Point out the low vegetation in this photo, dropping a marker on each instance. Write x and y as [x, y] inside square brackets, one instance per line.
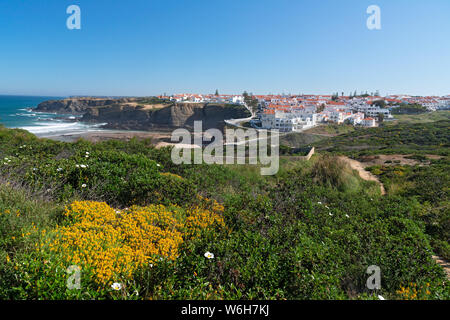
[409, 109]
[429, 185]
[420, 118]
[140, 227]
[403, 138]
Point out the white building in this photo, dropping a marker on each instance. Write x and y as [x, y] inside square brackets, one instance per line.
[368, 122]
[338, 116]
[356, 118]
[237, 100]
[287, 121]
[373, 111]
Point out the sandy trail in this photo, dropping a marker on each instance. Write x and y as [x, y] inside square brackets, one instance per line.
[365, 175]
[444, 264]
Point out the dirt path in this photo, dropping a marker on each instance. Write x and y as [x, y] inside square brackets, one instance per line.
[365, 175]
[444, 264]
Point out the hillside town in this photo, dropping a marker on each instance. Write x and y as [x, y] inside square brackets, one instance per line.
[294, 113]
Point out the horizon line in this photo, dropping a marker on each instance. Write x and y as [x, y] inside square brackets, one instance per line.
[172, 94]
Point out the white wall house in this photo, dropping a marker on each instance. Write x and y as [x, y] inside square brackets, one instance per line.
[356, 118]
[238, 99]
[368, 122]
[336, 117]
[287, 121]
[373, 111]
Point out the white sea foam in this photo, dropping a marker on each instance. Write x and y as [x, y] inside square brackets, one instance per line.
[47, 124]
[59, 128]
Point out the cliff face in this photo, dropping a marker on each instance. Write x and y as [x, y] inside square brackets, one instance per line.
[172, 116]
[135, 114]
[76, 105]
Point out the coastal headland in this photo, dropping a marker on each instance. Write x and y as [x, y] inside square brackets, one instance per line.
[144, 114]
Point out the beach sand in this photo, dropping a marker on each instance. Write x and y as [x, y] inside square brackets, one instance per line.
[97, 136]
[159, 139]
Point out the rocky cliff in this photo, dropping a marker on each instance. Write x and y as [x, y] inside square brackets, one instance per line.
[76, 105]
[170, 116]
[145, 113]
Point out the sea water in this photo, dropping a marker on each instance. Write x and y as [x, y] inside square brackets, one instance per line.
[16, 112]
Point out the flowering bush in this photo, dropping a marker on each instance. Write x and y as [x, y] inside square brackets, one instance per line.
[113, 244]
[413, 292]
[310, 232]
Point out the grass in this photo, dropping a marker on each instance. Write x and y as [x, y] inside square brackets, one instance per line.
[420, 118]
[299, 139]
[331, 129]
[308, 232]
[404, 138]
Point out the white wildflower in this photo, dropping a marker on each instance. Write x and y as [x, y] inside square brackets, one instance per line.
[116, 286]
[380, 297]
[209, 255]
[84, 185]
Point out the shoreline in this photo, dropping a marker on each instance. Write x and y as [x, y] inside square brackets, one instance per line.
[110, 134]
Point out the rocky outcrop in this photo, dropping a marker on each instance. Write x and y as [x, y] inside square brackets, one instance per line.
[172, 116]
[76, 105]
[135, 114]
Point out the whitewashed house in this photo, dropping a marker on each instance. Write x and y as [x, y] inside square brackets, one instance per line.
[368, 122]
[287, 121]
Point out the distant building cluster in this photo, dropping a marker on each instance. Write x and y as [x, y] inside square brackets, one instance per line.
[432, 103]
[300, 112]
[206, 98]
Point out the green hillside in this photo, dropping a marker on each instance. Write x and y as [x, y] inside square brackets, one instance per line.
[125, 214]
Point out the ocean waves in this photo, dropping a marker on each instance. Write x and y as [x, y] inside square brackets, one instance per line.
[52, 128]
[17, 112]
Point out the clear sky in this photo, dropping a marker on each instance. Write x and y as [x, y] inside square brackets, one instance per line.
[149, 47]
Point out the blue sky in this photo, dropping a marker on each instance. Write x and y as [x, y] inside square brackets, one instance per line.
[148, 47]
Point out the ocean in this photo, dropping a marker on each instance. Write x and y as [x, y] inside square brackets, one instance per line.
[15, 112]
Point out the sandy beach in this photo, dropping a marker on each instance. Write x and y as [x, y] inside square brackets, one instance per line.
[97, 136]
[159, 139]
